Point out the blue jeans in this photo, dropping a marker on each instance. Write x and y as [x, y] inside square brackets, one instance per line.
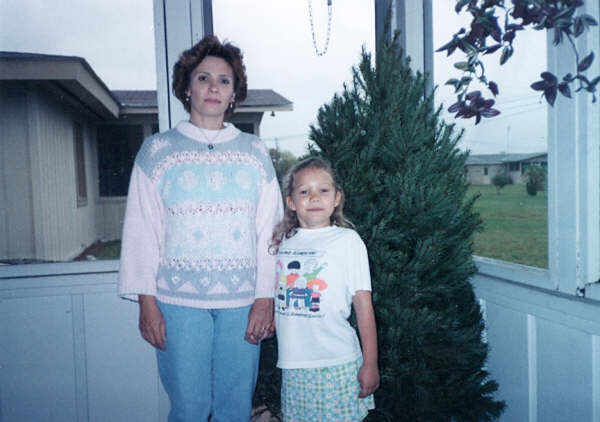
[208, 368]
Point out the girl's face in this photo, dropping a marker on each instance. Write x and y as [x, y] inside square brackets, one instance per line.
[210, 90]
[314, 198]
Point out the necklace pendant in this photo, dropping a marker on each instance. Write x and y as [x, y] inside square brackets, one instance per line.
[210, 146]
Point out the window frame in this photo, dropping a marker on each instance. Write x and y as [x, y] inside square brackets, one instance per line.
[573, 173]
[573, 186]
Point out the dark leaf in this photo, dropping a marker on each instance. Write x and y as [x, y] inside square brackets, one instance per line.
[514, 27]
[454, 107]
[506, 53]
[473, 95]
[550, 94]
[538, 86]
[564, 89]
[488, 103]
[452, 81]
[451, 49]
[549, 78]
[509, 36]
[568, 78]
[445, 46]
[585, 62]
[491, 49]
[477, 118]
[595, 81]
[588, 20]
[460, 4]
[492, 112]
[557, 36]
[496, 35]
[462, 66]
[493, 87]
[578, 27]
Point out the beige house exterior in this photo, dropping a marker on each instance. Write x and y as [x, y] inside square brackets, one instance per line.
[481, 169]
[67, 145]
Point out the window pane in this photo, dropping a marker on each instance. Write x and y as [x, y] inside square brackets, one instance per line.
[77, 98]
[117, 147]
[110, 44]
[508, 147]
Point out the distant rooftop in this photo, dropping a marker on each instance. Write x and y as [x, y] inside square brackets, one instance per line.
[483, 159]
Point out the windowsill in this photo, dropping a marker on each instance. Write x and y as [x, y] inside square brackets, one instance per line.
[58, 268]
[518, 273]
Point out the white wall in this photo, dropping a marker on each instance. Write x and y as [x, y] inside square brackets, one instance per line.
[40, 216]
[62, 229]
[544, 346]
[16, 210]
[70, 348]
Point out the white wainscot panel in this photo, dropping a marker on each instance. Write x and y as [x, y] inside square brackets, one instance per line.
[507, 338]
[564, 373]
[122, 379]
[37, 372]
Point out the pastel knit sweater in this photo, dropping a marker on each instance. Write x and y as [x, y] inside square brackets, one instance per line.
[199, 219]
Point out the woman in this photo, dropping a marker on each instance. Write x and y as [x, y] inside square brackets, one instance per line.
[202, 204]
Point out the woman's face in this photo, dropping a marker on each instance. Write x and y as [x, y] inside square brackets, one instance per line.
[210, 89]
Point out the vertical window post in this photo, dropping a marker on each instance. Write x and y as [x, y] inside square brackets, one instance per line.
[177, 26]
[573, 172]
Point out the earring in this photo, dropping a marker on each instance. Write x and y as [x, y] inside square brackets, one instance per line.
[187, 98]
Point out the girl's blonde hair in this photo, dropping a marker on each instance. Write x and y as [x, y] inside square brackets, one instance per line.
[289, 225]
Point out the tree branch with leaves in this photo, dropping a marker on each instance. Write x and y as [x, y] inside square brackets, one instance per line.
[490, 33]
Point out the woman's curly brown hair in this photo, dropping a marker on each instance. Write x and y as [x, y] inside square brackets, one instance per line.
[210, 46]
[289, 224]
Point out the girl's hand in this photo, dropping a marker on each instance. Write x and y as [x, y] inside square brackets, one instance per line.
[260, 321]
[368, 378]
[152, 323]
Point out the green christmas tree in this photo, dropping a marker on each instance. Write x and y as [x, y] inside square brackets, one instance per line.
[405, 187]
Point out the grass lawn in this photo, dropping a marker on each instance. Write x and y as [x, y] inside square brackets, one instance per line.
[515, 225]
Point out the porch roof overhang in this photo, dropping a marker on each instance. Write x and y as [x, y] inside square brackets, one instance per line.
[68, 75]
[257, 101]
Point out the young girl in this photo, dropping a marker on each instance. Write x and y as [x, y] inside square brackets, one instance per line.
[322, 269]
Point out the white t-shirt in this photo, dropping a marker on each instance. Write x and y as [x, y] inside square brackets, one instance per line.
[318, 273]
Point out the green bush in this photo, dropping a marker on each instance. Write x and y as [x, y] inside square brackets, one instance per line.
[535, 180]
[500, 180]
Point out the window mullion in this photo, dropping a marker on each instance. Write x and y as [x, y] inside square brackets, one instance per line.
[573, 174]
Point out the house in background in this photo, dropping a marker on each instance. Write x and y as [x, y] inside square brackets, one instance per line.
[67, 145]
[482, 168]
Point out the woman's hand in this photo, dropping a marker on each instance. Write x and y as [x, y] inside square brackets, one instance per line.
[368, 378]
[152, 323]
[260, 321]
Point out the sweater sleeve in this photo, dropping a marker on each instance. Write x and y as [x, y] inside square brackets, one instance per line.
[143, 232]
[268, 213]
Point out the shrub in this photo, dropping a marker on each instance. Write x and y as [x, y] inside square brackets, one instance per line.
[535, 179]
[500, 180]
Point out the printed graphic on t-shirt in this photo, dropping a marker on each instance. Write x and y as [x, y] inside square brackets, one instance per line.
[299, 288]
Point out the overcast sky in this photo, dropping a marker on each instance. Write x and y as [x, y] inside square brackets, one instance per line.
[116, 37]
